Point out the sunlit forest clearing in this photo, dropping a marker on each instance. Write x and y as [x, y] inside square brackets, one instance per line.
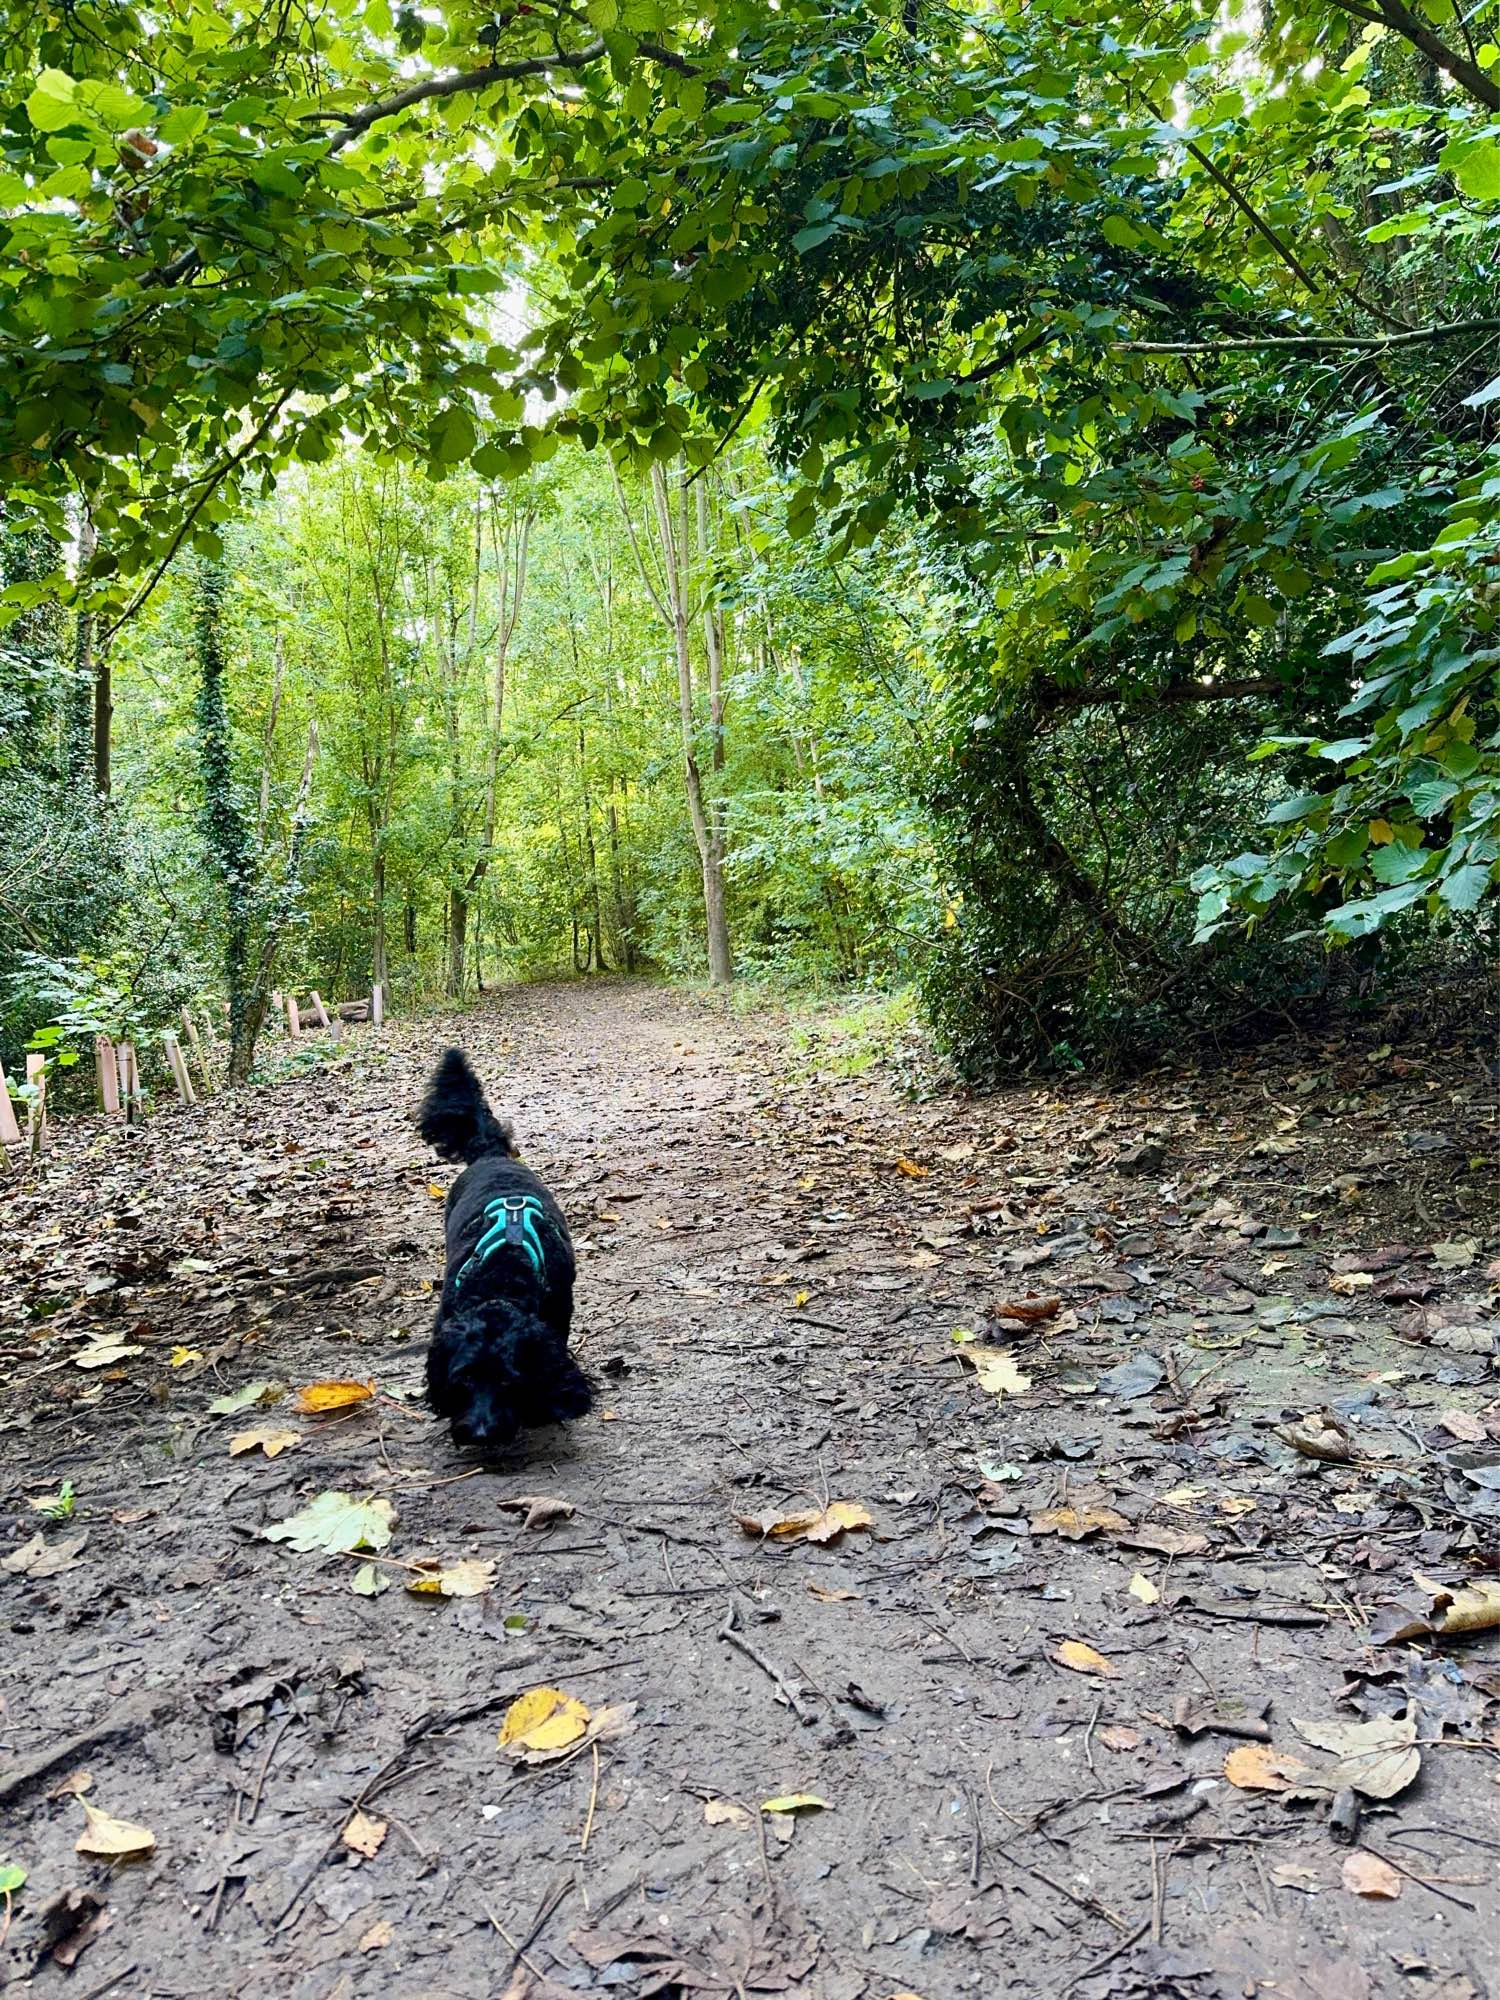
[889, 613]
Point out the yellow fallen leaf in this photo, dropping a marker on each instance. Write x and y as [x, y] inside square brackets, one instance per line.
[997, 1374]
[378, 1936]
[317, 1398]
[1075, 1523]
[266, 1438]
[1082, 1659]
[364, 1834]
[1235, 1504]
[1261, 1767]
[801, 1300]
[1143, 1588]
[437, 1190]
[1347, 1283]
[543, 1718]
[1184, 1496]
[817, 1524]
[473, 1577]
[182, 1357]
[912, 1170]
[796, 1802]
[112, 1839]
[1365, 1874]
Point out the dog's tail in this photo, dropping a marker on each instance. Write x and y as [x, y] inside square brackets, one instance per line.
[455, 1119]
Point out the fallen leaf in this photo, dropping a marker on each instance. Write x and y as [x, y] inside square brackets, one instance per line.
[183, 1357]
[336, 1524]
[1143, 1588]
[35, 1558]
[1260, 1767]
[1440, 1613]
[826, 1596]
[997, 1374]
[264, 1437]
[796, 1802]
[72, 1786]
[724, 1812]
[1135, 1377]
[1365, 1874]
[100, 1353]
[1456, 1255]
[1236, 1504]
[1459, 1424]
[1184, 1496]
[543, 1719]
[1347, 1283]
[912, 1170]
[473, 1577]
[1082, 1659]
[1319, 1436]
[246, 1398]
[364, 1835]
[13, 1877]
[1027, 1309]
[378, 1936]
[1165, 1540]
[317, 1399]
[369, 1581]
[113, 1839]
[540, 1509]
[822, 1524]
[1378, 1758]
[1117, 1736]
[1074, 1524]
[437, 1190]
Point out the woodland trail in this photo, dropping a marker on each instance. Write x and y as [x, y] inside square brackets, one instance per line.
[1077, 1701]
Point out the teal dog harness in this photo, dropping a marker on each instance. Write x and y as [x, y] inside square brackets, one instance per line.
[512, 1218]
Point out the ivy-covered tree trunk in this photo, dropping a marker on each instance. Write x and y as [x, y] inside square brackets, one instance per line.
[226, 835]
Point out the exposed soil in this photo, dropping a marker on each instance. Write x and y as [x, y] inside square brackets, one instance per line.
[1086, 1588]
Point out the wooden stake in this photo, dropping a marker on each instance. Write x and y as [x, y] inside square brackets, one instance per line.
[132, 1081]
[179, 1067]
[107, 1066]
[377, 1005]
[10, 1131]
[208, 1027]
[293, 1018]
[319, 1009]
[36, 1110]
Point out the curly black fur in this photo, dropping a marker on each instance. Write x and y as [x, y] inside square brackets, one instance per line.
[499, 1360]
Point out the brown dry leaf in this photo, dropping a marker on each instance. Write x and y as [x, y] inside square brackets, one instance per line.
[1378, 1758]
[997, 1374]
[1027, 1309]
[72, 1786]
[826, 1596]
[364, 1834]
[1365, 1874]
[1319, 1436]
[912, 1170]
[1118, 1736]
[317, 1399]
[1074, 1524]
[1082, 1659]
[110, 1838]
[378, 1936]
[1440, 1612]
[266, 1438]
[1260, 1767]
[1165, 1541]
[1236, 1504]
[36, 1559]
[539, 1509]
[473, 1577]
[724, 1812]
[1459, 1424]
[821, 1524]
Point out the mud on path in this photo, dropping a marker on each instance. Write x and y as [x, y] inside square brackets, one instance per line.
[1097, 1573]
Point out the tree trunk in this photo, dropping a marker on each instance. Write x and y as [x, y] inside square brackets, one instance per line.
[458, 932]
[226, 835]
[675, 547]
[379, 970]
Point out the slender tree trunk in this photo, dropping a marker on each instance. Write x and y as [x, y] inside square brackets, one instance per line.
[675, 561]
[226, 835]
[379, 969]
[258, 994]
[458, 932]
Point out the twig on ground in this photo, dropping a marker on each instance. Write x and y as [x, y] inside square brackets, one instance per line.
[789, 1690]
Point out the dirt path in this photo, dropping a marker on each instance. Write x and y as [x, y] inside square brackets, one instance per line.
[991, 1688]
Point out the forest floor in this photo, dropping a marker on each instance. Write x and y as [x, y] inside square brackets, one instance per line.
[1109, 1699]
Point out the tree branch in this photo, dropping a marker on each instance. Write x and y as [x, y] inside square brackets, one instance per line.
[460, 81]
[1315, 342]
[1411, 27]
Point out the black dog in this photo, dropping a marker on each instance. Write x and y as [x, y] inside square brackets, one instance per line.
[499, 1359]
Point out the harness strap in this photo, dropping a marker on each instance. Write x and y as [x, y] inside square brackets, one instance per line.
[512, 1219]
